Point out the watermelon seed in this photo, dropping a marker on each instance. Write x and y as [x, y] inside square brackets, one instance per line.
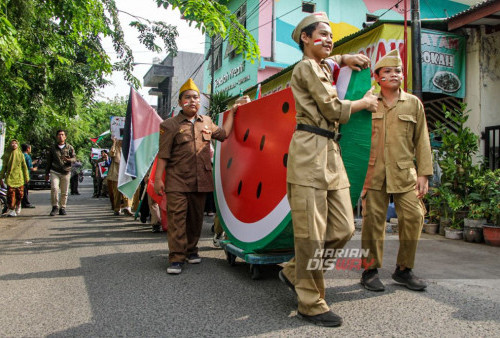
[259, 189]
[239, 188]
[229, 162]
[262, 141]
[285, 107]
[246, 135]
[285, 159]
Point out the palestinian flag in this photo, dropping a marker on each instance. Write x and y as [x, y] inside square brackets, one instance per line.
[160, 200]
[140, 143]
[100, 137]
[356, 139]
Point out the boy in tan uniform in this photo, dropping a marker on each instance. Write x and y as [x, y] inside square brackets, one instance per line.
[184, 154]
[318, 187]
[399, 136]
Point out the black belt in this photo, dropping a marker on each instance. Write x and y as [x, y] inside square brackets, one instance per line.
[319, 131]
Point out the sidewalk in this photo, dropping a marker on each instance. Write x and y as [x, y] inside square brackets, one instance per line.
[92, 274]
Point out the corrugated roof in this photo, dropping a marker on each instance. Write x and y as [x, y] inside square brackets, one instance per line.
[473, 8]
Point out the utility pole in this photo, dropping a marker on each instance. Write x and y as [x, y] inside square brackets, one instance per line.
[212, 68]
[416, 48]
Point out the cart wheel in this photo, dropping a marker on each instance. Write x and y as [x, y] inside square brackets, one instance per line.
[231, 259]
[255, 271]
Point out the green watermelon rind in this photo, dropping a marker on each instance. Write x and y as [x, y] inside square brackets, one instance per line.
[264, 243]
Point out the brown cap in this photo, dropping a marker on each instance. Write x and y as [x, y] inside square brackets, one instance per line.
[308, 20]
[391, 59]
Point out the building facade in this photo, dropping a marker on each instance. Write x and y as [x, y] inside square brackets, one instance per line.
[271, 23]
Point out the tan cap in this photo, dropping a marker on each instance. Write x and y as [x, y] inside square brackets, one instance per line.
[308, 20]
[391, 59]
[189, 85]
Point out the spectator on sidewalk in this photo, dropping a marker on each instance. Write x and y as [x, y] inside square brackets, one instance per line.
[60, 157]
[16, 175]
[26, 149]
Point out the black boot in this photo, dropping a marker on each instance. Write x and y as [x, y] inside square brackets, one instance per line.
[371, 281]
[408, 279]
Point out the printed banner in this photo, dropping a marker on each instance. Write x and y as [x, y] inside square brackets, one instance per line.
[103, 170]
[443, 63]
[117, 125]
[96, 153]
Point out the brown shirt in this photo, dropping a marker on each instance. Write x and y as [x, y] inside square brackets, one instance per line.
[114, 169]
[399, 135]
[314, 160]
[186, 148]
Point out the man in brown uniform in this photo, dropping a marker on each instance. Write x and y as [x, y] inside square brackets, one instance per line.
[185, 155]
[399, 135]
[318, 187]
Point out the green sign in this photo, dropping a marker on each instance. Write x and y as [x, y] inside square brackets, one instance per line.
[443, 63]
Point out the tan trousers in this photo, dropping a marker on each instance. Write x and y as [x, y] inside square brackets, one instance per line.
[185, 219]
[322, 219]
[410, 211]
[154, 210]
[116, 197]
[59, 183]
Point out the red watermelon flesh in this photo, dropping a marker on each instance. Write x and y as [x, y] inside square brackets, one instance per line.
[253, 158]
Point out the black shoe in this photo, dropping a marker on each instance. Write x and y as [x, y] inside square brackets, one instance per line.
[76, 193]
[116, 213]
[156, 228]
[194, 259]
[287, 282]
[54, 211]
[371, 281]
[409, 280]
[328, 319]
[175, 268]
[29, 206]
[95, 196]
[62, 211]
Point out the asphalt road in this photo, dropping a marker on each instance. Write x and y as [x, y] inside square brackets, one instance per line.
[92, 274]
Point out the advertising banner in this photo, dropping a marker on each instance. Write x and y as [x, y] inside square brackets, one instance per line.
[443, 63]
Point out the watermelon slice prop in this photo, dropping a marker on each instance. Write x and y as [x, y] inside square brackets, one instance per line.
[250, 168]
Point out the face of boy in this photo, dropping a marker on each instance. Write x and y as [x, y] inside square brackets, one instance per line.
[190, 102]
[389, 77]
[319, 45]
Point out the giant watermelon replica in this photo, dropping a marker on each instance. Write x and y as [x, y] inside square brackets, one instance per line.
[250, 168]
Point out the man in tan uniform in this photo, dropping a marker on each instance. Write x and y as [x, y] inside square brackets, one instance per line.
[318, 187]
[115, 196]
[185, 155]
[399, 135]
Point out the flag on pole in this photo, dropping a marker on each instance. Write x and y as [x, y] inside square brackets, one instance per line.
[258, 93]
[140, 143]
[100, 137]
[160, 200]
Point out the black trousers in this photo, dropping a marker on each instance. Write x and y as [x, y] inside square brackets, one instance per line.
[25, 201]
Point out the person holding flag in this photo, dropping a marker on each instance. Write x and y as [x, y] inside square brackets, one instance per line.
[317, 183]
[184, 155]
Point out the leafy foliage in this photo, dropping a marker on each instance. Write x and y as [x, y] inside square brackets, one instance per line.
[218, 104]
[52, 60]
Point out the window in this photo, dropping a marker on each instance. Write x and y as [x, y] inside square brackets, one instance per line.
[241, 15]
[308, 7]
[217, 53]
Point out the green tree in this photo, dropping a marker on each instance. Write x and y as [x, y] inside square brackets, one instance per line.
[52, 61]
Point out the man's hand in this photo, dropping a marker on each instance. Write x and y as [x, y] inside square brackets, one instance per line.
[371, 100]
[239, 102]
[356, 61]
[422, 186]
[159, 187]
[47, 177]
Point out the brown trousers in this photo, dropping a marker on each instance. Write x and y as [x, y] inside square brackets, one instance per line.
[14, 196]
[410, 211]
[116, 197]
[322, 219]
[185, 219]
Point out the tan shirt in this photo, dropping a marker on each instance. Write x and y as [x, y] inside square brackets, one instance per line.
[315, 160]
[399, 135]
[114, 168]
[186, 148]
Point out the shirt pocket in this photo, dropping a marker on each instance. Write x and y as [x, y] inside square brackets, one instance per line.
[407, 172]
[299, 217]
[183, 136]
[407, 124]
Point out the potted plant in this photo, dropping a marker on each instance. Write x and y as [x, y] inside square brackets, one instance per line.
[458, 145]
[491, 231]
[432, 224]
